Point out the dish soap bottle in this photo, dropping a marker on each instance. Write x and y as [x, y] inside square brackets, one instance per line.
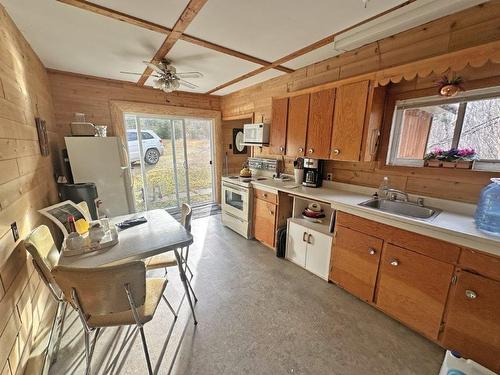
[382, 189]
[487, 217]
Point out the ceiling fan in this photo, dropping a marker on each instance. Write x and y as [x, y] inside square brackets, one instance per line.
[166, 76]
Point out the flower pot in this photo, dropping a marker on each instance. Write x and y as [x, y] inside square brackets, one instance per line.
[464, 164]
[433, 163]
[449, 164]
[449, 90]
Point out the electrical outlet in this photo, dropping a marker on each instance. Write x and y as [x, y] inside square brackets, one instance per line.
[329, 176]
[15, 231]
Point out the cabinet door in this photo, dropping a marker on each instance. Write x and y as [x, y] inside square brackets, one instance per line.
[319, 248]
[349, 121]
[319, 127]
[296, 244]
[413, 288]
[264, 220]
[472, 320]
[277, 134]
[355, 260]
[298, 112]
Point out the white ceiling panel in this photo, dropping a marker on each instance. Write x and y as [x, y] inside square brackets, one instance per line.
[273, 29]
[217, 68]
[312, 57]
[70, 39]
[162, 12]
[264, 76]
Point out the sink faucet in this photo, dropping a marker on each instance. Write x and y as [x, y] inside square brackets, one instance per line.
[393, 194]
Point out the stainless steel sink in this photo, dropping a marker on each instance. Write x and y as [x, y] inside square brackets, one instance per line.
[402, 208]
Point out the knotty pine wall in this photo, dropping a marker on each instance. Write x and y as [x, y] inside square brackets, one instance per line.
[475, 26]
[92, 96]
[26, 185]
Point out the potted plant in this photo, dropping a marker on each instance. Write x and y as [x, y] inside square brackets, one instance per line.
[453, 158]
[450, 86]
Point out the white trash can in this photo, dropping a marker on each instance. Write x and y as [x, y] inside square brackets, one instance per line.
[455, 365]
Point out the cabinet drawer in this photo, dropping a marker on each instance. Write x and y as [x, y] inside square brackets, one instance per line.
[472, 324]
[266, 196]
[355, 259]
[264, 220]
[413, 288]
[428, 246]
[486, 265]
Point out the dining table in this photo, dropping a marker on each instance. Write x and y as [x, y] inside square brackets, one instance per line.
[159, 234]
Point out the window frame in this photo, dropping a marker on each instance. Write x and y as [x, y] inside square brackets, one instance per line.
[462, 99]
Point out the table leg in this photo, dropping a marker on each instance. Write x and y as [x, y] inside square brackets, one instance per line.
[184, 282]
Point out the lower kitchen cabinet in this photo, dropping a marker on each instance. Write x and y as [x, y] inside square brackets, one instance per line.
[413, 288]
[264, 221]
[297, 246]
[309, 249]
[355, 260]
[472, 320]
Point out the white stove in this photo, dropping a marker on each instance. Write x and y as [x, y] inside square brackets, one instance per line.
[243, 181]
[237, 196]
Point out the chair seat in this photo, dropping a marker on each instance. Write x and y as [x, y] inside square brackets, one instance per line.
[154, 291]
[161, 261]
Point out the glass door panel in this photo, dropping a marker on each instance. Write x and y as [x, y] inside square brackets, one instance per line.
[199, 156]
[166, 154]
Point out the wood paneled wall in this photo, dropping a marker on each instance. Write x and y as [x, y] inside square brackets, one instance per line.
[232, 162]
[468, 28]
[92, 96]
[26, 185]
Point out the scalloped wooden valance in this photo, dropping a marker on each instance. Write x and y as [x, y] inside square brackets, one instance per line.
[454, 61]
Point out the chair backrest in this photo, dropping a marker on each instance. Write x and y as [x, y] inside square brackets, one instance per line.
[186, 214]
[101, 290]
[40, 244]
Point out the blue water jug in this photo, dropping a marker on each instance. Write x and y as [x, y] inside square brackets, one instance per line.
[487, 215]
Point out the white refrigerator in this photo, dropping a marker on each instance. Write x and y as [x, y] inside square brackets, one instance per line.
[103, 161]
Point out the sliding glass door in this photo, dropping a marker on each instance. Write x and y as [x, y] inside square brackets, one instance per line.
[171, 161]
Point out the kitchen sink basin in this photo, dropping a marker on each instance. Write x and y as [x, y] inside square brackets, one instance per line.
[402, 208]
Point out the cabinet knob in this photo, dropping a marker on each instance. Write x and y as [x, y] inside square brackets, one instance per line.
[394, 262]
[301, 149]
[470, 294]
[264, 195]
[372, 251]
[282, 148]
[336, 151]
[311, 150]
[304, 237]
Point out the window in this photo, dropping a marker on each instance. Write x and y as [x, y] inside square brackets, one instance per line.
[471, 120]
[132, 136]
[146, 135]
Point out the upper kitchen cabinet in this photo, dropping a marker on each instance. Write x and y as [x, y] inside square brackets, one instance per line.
[278, 126]
[349, 121]
[319, 128]
[298, 114]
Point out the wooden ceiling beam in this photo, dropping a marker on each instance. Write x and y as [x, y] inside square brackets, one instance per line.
[303, 51]
[186, 17]
[139, 22]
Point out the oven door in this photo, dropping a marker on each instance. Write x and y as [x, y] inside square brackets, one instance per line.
[235, 200]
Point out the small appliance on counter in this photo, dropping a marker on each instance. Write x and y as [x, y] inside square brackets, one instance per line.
[256, 134]
[313, 172]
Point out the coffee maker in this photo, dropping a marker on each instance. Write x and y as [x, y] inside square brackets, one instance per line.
[313, 172]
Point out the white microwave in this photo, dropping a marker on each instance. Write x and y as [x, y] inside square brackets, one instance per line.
[257, 134]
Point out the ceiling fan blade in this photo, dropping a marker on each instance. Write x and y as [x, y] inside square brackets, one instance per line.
[136, 74]
[188, 84]
[190, 75]
[153, 67]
